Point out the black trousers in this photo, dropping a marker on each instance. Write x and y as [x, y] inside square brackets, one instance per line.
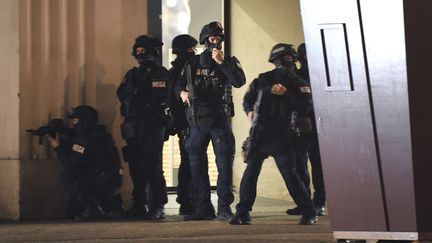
[302, 144]
[307, 149]
[184, 186]
[319, 196]
[145, 167]
[89, 190]
[286, 163]
[224, 148]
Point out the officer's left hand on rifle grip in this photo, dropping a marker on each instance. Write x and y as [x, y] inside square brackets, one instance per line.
[184, 95]
[54, 141]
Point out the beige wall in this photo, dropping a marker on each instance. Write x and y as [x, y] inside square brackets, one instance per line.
[9, 109]
[256, 27]
[9, 79]
[57, 54]
[9, 189]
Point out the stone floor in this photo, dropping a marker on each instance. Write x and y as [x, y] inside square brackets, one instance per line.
[270, 224]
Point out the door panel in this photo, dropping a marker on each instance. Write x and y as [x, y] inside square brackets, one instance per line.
[388, 77]
[343, 110]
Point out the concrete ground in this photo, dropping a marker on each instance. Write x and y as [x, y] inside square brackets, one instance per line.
[270, 224]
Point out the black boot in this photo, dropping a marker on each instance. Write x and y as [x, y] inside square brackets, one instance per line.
[137, 211]
[241, 218]
[156, 213]
[186, 209]
[308, 219]
[224, 214]
[320, 210]
[294, 211]
[91, 214]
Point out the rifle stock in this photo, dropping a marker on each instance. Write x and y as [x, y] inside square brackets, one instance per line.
[192, 94]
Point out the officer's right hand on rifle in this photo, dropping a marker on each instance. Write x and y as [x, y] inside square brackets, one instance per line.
[250, 116]
[184, 95]
[278, 89]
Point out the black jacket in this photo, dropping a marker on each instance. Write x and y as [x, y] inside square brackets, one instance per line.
[176, 105]
[209, 82]
[92, 153]
[275, 111]
[144, 93]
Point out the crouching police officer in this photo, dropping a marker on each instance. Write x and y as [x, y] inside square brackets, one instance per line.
[183, 46]
[144, 96]
[283, 95]
[92, 172]
[206, 78]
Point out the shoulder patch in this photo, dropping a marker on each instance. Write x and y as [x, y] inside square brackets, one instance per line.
[237, 62]
[78, 148]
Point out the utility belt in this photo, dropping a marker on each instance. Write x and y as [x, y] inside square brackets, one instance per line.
[205, 110]
[149, 116]
[296, 123]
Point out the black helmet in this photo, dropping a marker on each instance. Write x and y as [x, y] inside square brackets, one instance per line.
[214, 28]
[301, 51]
[183, 42]
[282, 49]
[87, 115]
[146, 41]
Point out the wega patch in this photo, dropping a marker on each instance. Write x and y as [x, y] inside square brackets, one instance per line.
[78, 148]
[158, 84]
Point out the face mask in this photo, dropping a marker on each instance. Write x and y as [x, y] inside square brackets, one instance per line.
[147, 57]
[78, 128]
[210, 46]
[284, 65]
[186, 55]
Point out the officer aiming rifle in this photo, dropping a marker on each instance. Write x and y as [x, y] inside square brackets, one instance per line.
[55, 126]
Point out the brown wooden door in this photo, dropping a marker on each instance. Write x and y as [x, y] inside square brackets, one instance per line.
[344, 112]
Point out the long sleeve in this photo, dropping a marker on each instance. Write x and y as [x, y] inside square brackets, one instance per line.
[63, 154]
[104, 153]
[232, 69]
[300, 96]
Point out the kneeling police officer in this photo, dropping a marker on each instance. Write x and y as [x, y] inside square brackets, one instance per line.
[91, 163]
[282, 95]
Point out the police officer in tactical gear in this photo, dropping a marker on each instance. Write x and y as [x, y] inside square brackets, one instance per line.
[202, 88]
[91, 167]
[183, 46]
[144, 95]
[310, 146]
[284, 94]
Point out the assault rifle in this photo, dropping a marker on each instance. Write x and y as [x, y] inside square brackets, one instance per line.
[248, 147]
[192, 95]
[55, 126]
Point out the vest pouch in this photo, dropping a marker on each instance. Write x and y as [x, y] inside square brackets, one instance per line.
[304, 124]
[129, 129]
